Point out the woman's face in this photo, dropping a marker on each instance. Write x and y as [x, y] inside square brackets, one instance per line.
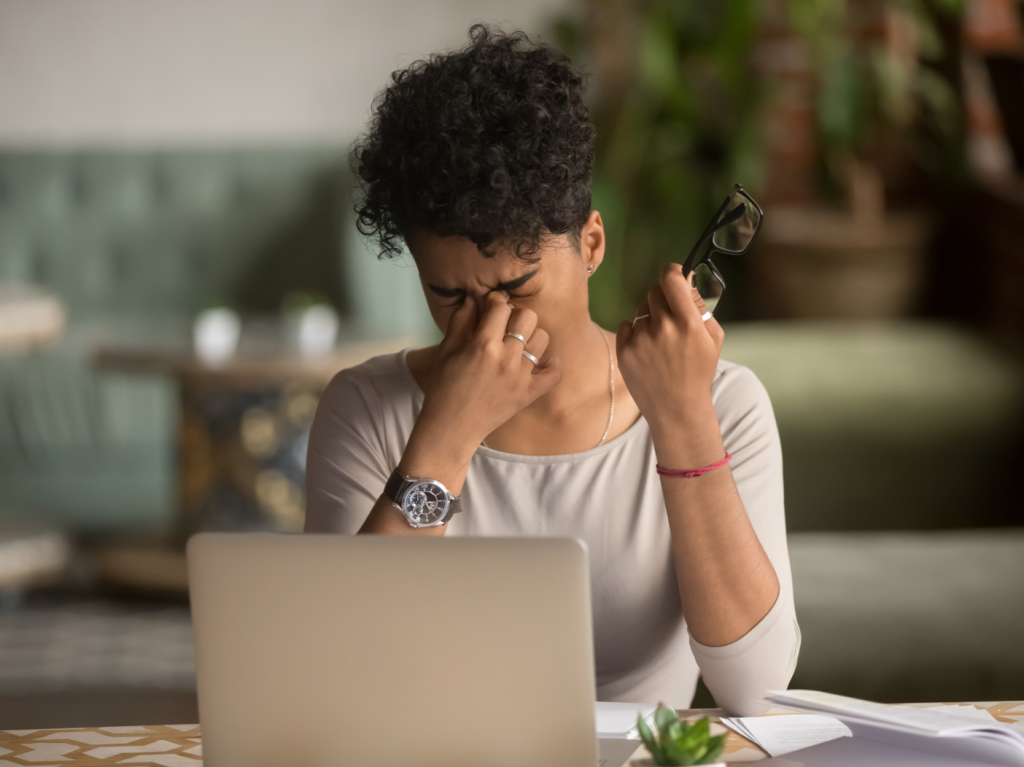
[554, 287]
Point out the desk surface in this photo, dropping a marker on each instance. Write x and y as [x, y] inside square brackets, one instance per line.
[181, 745]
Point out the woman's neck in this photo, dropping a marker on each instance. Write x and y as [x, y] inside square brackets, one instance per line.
[585, 367]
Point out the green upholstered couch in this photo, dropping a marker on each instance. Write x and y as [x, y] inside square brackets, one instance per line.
[902, 453]
[910, 425]
[135, 242]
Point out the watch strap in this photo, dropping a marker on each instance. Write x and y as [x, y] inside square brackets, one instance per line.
[394, 486]
[454, 506]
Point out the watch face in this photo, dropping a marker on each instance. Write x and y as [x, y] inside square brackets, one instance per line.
[425, 504]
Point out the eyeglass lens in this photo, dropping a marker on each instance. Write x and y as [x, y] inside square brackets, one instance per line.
[737, 226]
[708, 285]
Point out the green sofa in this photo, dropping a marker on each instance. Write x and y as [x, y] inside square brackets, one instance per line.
[912, 425]
[134, 243]
[902, 451]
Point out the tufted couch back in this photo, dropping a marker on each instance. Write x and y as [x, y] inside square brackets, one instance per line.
[121, 233]
[143, 237]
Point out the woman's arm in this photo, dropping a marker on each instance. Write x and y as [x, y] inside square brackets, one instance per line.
[739, 673]
[479, 381]
[727, 582]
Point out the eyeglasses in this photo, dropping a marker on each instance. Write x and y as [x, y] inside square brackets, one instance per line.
[731, 231]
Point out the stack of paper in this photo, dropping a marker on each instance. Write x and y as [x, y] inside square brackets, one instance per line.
[782, 734]
[901, 735]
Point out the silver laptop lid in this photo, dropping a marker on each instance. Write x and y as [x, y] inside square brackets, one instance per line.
[337, 651]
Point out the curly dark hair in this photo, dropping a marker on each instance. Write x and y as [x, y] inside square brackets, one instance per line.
[491, 142]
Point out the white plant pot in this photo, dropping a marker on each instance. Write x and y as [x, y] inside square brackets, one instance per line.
[648, 762]
[313, 330]
[215, 335]
[822, 264]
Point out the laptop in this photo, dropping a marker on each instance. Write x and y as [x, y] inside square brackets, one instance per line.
[338, 651]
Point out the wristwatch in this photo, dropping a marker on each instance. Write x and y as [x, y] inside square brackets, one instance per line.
[424, 502]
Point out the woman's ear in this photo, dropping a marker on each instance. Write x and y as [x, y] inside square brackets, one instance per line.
[592, 242]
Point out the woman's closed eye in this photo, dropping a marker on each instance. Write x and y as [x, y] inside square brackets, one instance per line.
[511, 296]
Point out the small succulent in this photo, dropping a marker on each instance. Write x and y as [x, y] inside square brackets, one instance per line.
[680, 743]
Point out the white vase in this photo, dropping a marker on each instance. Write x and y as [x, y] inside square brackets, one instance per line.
[215, 335]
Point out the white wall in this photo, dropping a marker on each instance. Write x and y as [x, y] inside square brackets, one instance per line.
[173, 72]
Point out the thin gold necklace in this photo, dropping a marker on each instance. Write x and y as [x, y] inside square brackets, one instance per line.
[611, 386]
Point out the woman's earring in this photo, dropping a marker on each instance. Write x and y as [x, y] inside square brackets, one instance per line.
[590, 269]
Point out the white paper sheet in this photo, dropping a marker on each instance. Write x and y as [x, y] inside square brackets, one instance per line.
[618, 720]
[854, 752]
[784, 734]
[615, 752]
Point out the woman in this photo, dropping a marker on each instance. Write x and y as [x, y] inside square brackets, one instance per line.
[528, 419]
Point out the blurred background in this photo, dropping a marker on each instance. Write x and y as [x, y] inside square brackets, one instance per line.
[180, 276]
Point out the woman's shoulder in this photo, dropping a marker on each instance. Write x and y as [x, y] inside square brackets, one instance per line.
[384, 369]
[373, 386]
[736, 387]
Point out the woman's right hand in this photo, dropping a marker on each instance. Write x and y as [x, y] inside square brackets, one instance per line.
[480, 379]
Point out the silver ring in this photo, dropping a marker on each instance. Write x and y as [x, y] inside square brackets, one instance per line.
[515, 335]
[706, 316]
[531, 358]
[641, 317]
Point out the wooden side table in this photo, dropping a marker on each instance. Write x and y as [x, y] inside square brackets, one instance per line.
[243, 428]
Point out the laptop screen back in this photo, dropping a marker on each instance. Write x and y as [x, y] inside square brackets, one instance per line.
[327, 650]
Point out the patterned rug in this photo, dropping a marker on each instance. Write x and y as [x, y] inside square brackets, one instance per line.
[59, 643]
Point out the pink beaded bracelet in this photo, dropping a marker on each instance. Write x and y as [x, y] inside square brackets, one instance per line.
[691, 473]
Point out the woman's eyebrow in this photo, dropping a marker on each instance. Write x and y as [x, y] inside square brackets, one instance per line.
[518, 282]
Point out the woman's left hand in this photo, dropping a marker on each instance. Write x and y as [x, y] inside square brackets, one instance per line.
[668, 359]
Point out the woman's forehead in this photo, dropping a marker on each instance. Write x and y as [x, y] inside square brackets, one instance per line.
[456, 262]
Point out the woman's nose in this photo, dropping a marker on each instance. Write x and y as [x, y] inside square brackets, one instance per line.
[481, 300]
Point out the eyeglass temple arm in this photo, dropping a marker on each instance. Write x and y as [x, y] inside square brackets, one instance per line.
[734, 215]
[688, 263]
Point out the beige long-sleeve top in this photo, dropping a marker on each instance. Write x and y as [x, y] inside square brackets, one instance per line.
[611, 498]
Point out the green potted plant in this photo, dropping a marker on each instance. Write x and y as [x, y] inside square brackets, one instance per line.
[859, 258]
[678, 742]
[674, 97]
